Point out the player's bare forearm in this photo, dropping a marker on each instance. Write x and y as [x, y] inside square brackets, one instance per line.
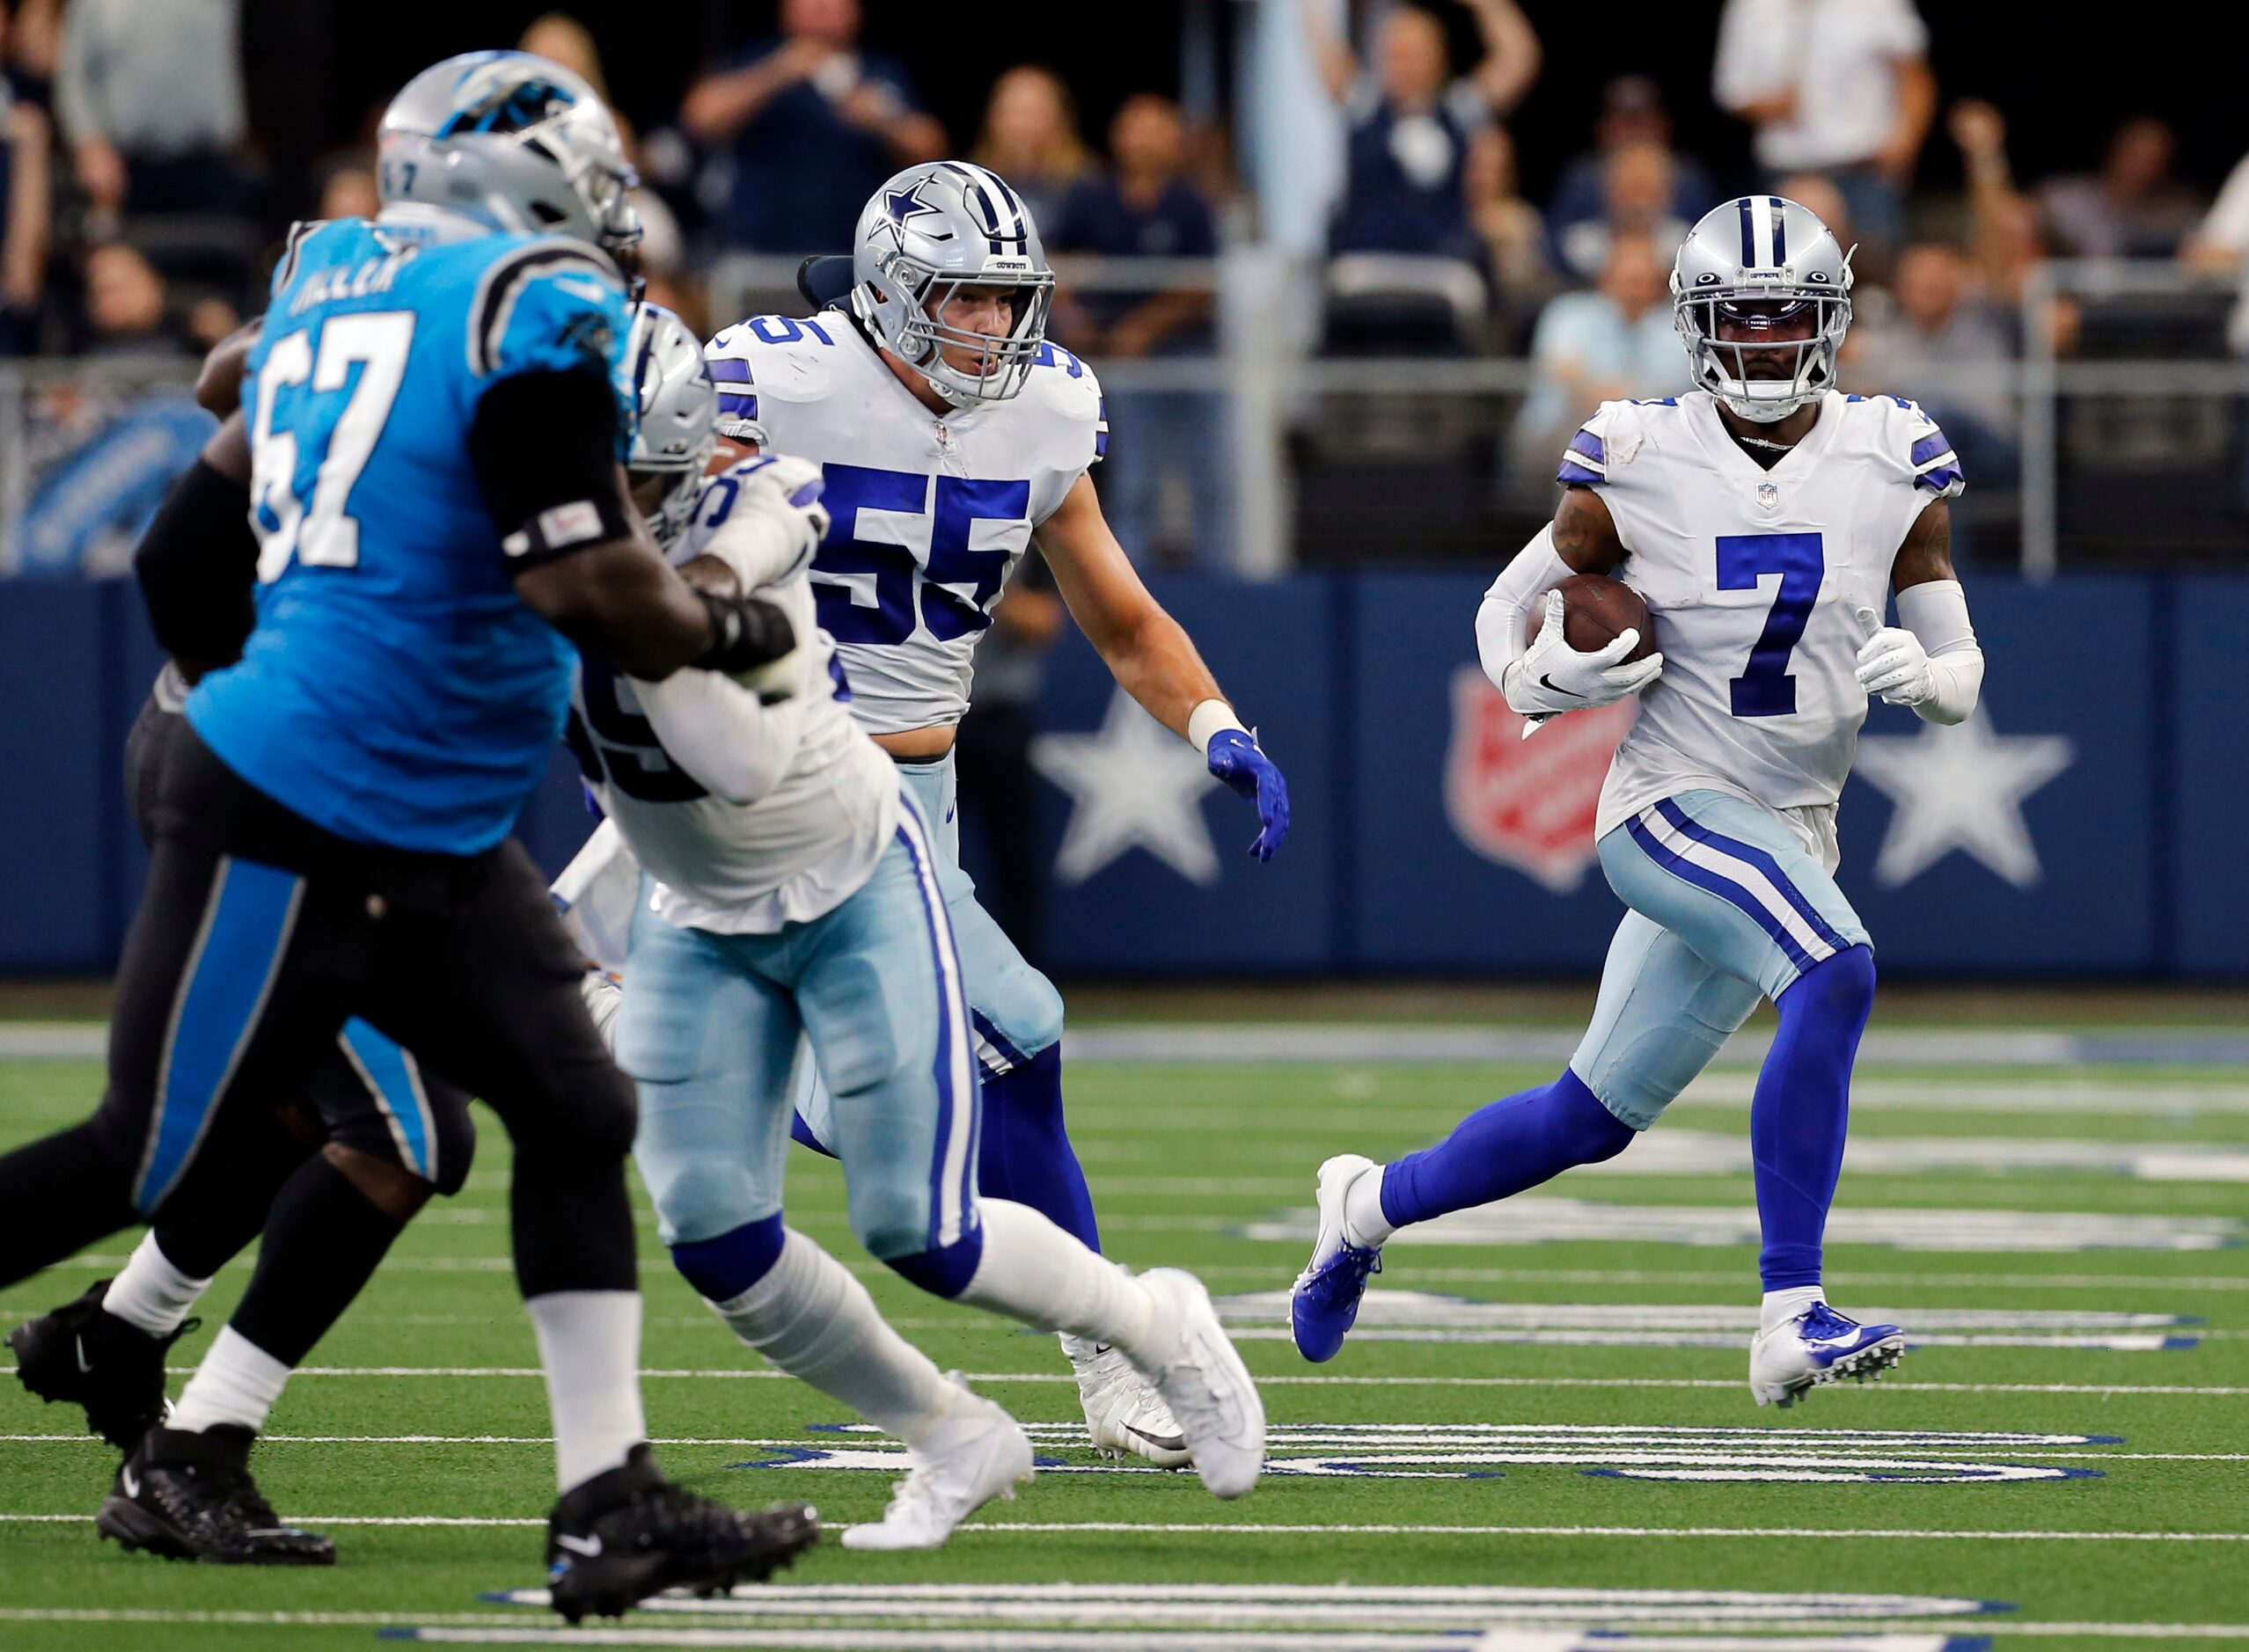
[1585, 534]
[1146, 649]
[1927, 553]
[620, 600]
[218, 382]
[228, 451]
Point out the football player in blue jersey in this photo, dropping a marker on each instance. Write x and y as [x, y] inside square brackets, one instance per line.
[435, 404]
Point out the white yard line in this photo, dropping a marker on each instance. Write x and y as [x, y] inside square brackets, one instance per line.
[1894, 1387]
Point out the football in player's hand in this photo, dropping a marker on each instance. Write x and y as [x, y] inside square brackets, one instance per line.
[1596, 610]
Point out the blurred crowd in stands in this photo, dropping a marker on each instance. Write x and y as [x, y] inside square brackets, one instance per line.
[137, 205]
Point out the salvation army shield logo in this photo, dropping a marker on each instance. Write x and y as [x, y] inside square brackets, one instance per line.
[1529, 804]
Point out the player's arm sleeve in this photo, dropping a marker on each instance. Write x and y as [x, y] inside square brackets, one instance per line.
[730, 368]
[1929, 455]
[717, 731]
[1504, 617]
[197, 566]
[1936, 611]
[544, 448]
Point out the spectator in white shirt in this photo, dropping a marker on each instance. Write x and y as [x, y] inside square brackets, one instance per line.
[2221, 247]
[1840, 87]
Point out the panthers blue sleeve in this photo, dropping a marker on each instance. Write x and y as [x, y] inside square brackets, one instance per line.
[551, 306]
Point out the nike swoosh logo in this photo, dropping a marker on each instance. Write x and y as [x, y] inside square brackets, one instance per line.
[1546, 680]
[590, 1548]
[1166, 1442]
[131, 1482]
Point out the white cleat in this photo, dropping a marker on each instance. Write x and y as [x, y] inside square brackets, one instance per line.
[1203, 1380]
[1819, 1347]
[988, 1458]
[1124, 1413]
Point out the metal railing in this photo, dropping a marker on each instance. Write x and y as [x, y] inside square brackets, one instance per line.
[1268, 377]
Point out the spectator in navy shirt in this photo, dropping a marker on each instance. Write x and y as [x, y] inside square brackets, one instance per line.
[1148, 207]
[1411, 123]
[1631, 112]
[811, 127]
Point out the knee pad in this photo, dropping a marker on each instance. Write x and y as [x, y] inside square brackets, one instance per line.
[724, 1268]
[701, 1199]
[946, 1270]
[1019, 1014]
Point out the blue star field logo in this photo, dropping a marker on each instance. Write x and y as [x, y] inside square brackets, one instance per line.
[902, 204]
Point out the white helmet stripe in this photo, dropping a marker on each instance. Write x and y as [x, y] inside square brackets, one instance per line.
[1780, 230]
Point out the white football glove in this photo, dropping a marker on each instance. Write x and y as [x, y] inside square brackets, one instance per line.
[776, 523]
[1892, 663]
[1552, 678]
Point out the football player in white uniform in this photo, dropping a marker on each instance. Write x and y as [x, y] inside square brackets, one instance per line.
[952, 433]
[792, 891]
[1766, 518]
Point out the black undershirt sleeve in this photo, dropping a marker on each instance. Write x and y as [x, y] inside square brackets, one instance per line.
[544, 448]
[198, 565]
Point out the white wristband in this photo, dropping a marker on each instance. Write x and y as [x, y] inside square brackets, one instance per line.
[1211, 717]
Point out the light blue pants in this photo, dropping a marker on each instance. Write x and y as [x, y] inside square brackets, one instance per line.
[1014, 1011]
[1729, 905]
[709, 1026]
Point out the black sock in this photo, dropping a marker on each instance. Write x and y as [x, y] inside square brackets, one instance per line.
[58, 1195]
[572, 1221]
[227, 1205]
[323, 1240]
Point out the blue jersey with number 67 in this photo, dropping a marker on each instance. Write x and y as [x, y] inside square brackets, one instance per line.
[1753, 578]
[929, 513]
[396, 691]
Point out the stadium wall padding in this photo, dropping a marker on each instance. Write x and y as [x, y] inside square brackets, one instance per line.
[2085, 826]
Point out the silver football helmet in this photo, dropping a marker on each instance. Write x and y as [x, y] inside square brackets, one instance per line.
[1760, 282]
[514, 142]
[677, 430]
[930, 233]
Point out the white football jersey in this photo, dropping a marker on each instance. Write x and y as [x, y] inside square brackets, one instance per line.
[827, 797]
[930, 513]
[1752, 576]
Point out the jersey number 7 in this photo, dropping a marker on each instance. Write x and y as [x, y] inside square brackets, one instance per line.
[1765, 689]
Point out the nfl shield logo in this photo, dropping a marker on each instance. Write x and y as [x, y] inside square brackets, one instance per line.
[1768, 496]
[1529, 804]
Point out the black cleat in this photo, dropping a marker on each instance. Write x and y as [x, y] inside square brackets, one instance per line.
[629, 1533]
[82, 1357]
[190, 1497]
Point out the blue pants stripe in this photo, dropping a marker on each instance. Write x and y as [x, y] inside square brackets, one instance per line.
[222, 991]
[991, 1035]
[1725, 888]
[952, 1198]
[1680, 821]
[397, 1088]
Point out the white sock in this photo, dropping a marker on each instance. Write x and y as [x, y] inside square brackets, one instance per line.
[1041, 1277]
[237, 1383]
[811, 1318]
[1364, 1223]
[589, 1347]
[1780, 1306]
[150, 1294]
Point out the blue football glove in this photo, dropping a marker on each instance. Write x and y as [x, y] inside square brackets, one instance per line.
[1237, 758]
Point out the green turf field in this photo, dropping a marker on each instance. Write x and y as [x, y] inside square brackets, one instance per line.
[1527, 1443]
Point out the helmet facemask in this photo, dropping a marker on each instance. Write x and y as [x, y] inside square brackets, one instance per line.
[1797, 329]
[1000, 362]
[676, 430]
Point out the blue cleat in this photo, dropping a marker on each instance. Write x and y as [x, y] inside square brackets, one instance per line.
[1325, 1302]
[1817, 1347]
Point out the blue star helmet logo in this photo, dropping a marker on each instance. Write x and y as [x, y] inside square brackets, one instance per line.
[902, 204]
